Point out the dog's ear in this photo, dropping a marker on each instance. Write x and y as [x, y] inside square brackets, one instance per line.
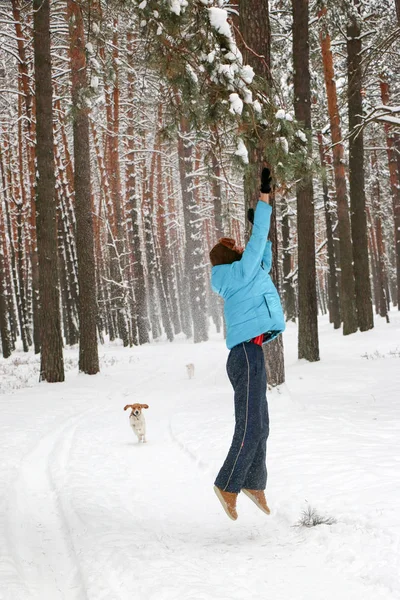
[145, 406]
[128, 406]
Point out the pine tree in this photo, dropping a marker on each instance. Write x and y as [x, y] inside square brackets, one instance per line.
[88, 353]
[357, 176]
[255, 44]
[308, 346]
[51, 367]
[347, 284]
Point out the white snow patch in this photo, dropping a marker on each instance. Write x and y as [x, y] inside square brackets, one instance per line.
[191, 73]
[89, 48]
[247, 73]
[301, 135]
[211, 56]
[218, 19]
[178, 6]
[242, 152]
[236, 104]
[284, 144]
[94, 82]
[247, 96]
[257, 107]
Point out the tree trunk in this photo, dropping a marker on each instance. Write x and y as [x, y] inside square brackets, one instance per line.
[7, 182]
[132, 204]
[357, 177]
[255, 44]
[173, 241]
[334, 303]
[6, 345]
[377, 213]
[394, 172]
[287, 266]
[273, 351]
[194, 269]
[52, 367]
[217, 195]
[29, 124]
[308, 345]
[88, 352]
[347, 284]
[255, 32]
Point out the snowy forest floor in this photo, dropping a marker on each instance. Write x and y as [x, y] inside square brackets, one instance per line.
[88, 513]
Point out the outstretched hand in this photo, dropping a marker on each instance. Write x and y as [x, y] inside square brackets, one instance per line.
[265, 181]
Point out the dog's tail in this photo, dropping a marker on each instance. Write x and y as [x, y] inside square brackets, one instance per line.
[128, 406]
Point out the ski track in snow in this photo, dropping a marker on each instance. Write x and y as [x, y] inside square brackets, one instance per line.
[38, 534]
[90, 514]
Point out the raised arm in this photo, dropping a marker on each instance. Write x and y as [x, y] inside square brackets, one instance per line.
[254, 251]
[258, 249]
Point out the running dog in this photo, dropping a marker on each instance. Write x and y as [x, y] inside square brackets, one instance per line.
[190, 370]
[137, 420]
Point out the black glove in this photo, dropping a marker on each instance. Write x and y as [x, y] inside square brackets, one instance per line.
[265, 181]
[250, 215]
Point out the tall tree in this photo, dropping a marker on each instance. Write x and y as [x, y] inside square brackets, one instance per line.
[394, 172]
[4, 331]
[141, 317]
[88, 353]
[255, 44]
[51, 366]
[334, 306]
[382, 303]
[288, 289]
[29, 124]
[194, 270]
[347, 284]
[308, 345]
[357, 174]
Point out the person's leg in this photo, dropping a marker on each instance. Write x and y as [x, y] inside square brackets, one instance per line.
[256, 478]
[246, 372]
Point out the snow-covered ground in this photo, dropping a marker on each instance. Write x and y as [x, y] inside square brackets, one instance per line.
[88, 513]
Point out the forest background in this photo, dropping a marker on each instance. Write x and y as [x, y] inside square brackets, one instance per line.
[132, 135]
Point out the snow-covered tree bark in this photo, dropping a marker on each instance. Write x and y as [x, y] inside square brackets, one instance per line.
[194, 265]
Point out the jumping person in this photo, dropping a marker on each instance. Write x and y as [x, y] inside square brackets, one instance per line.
[253, 317]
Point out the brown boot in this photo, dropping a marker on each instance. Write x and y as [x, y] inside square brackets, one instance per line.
[258, 498]
[228, 501]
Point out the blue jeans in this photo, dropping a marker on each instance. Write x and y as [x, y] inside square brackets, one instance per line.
[245, 465]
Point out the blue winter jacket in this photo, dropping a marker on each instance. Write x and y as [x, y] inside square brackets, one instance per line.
[252, 304]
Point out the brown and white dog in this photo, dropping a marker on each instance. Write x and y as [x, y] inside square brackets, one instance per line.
[137, 420]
